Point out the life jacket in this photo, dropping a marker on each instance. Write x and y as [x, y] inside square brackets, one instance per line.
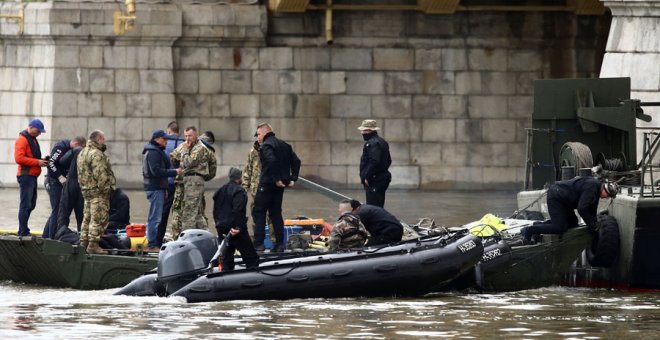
[488, 226]
[27, 154]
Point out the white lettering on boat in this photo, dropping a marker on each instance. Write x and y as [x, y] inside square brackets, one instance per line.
[467, 246]
[491, 255]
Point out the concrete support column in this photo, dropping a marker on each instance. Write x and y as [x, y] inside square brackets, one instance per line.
[633, 50]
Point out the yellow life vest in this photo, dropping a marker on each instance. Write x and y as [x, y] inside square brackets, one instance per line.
[487, 225]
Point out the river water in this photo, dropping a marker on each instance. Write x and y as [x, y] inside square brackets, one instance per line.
[556, 312]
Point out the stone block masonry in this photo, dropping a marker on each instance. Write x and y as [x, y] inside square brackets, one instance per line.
[449, 94]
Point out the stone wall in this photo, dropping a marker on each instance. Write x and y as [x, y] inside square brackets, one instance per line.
[452, 93]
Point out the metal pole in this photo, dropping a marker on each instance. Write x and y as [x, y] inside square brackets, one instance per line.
[331, 194]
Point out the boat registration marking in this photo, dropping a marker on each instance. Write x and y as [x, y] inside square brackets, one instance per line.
[491, 255]
[467, 246]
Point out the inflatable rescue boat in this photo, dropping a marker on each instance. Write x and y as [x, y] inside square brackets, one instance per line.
[410, 268]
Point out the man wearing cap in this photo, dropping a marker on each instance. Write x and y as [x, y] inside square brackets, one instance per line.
[374, 164]
[156, 169]
[581, 193]
[173, 141]
[279, 170]
[27, 155]
[230, 218]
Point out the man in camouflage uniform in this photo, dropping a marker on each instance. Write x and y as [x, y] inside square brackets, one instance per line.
[348, 232]
[97, 183]
[195, 160]
[177, 203]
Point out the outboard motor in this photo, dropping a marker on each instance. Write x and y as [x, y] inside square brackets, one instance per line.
[206, 242]
[179, 263]
[145, 285]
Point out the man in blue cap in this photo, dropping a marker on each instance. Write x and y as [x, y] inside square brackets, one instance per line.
[27, 155]
[156, 169]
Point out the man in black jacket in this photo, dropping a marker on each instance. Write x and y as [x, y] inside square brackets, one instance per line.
[374, 164]
[279, 170]
[156, 168]
[55, 179]
[71, 199]
[383, 226]
[581, 193]
[230, 220]
[119, 217]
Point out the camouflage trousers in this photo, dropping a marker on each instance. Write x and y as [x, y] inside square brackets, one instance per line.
[95, 217]
[177, 209]
[193, 194]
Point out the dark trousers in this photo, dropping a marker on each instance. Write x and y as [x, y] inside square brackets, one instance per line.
[390, 235]
[110, 241]
[242, 242]
[28, 195]
[167, 206]
[71, 200]
[54, 190]
[561, 218]
[375, 192]
[268, 200]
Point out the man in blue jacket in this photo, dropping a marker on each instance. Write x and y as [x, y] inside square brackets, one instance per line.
[156, 169]
[173, 141]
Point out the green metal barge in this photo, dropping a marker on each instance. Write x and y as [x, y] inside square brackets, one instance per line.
[590, 126]
[35, 260]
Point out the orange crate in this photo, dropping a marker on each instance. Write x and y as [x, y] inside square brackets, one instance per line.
[136, 230]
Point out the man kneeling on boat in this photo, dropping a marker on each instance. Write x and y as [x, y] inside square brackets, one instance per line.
[348, 232]
[581, 193]
[231, 219]
[383, 226]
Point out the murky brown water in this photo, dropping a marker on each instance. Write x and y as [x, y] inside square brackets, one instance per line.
[555, 312]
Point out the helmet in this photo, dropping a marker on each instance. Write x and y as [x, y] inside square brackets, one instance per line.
[611, 189]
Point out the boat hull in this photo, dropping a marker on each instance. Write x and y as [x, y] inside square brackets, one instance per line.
[401, 270]
[534, 266]
[47, 262]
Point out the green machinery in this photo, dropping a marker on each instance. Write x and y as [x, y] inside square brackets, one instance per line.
[598, 117]
[595, 112]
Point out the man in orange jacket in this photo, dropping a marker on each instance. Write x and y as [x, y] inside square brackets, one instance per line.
[27, 155]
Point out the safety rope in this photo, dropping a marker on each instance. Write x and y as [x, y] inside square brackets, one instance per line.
[295, 265]
[515, 213]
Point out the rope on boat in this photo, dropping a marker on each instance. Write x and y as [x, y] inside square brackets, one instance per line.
[515, 213]
[295, 265]
[582, 153]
